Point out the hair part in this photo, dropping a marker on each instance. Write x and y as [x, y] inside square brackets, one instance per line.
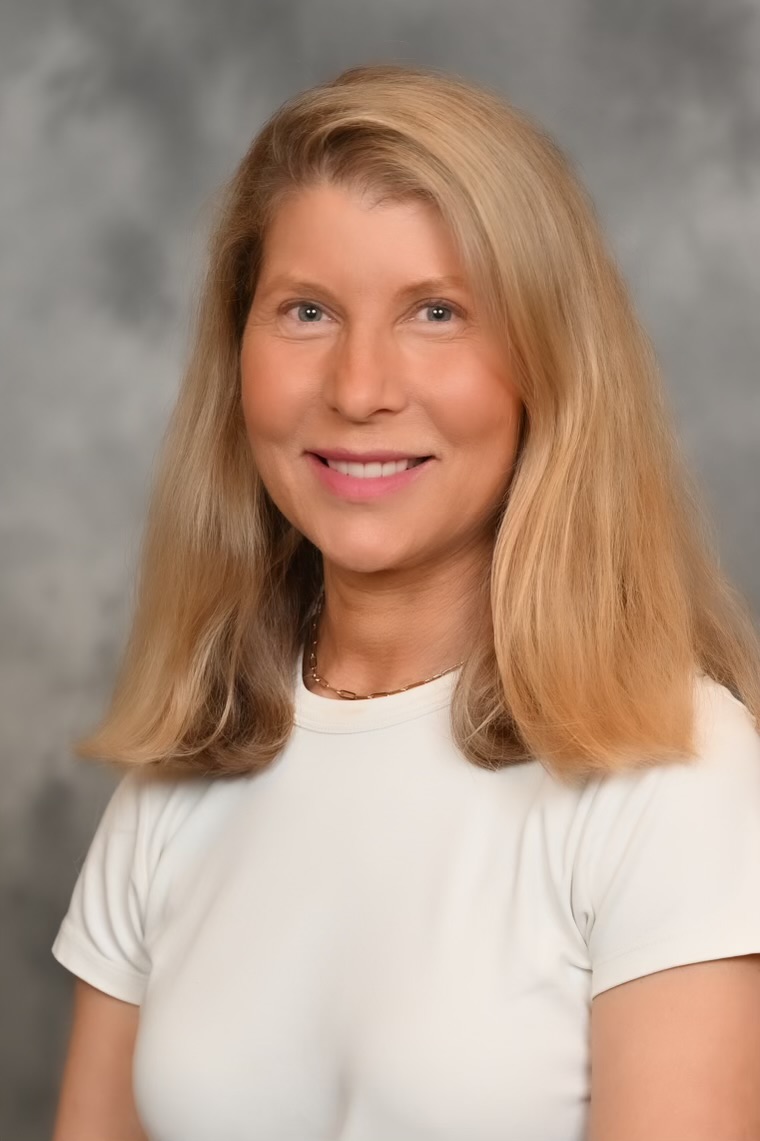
[604, 600]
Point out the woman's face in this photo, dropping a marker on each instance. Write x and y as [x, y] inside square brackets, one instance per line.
[362, 338]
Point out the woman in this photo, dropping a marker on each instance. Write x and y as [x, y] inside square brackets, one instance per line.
[440, 814]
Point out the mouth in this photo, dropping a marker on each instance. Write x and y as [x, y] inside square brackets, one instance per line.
[360, 482]
[374, 469]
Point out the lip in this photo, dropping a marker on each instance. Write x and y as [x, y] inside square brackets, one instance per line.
[365, 457]
[360, 490]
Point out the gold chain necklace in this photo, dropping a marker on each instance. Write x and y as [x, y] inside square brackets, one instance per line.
[348, 694]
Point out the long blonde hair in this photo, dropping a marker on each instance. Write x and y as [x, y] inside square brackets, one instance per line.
[604, 600]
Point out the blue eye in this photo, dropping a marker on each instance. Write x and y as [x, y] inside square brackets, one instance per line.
[434, 305]
[438, 305]
[305, 305]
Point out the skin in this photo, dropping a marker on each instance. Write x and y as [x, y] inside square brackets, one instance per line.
[675, 1055]
[373, 367]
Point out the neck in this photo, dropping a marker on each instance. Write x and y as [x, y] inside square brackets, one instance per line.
[374, 636]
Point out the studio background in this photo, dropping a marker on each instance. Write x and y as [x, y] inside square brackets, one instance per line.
[119, 119]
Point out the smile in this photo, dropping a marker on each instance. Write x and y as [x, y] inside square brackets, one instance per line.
[374, 470]
[360, 482]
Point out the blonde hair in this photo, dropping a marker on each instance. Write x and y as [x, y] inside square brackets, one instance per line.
[604, 600]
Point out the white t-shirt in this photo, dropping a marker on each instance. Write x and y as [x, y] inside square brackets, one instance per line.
[375, 940]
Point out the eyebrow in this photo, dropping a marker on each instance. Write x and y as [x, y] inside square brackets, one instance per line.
[425, 285]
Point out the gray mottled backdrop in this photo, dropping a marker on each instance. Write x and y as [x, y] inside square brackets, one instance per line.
[118, 120]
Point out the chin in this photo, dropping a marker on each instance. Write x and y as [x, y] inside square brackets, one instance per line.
[363, 558]
[360, 563]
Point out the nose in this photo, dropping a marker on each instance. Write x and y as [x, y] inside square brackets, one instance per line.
[363, 374]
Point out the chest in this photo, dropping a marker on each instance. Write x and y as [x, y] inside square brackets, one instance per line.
[355, 969]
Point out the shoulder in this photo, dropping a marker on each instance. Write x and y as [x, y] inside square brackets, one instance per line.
[725, 763]
[152, 807]
[722, 720]
[143, 795]
[667, 868]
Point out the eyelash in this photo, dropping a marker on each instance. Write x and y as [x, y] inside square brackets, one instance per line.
[432, 303]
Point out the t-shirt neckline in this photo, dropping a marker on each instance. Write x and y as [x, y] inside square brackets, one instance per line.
[332, 715]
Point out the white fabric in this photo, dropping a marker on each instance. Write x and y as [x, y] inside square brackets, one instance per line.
[375, 940]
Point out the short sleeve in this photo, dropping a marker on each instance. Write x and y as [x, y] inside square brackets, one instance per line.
[101, 937]
[667, 870]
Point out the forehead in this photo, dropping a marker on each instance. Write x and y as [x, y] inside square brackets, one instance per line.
[343, 232]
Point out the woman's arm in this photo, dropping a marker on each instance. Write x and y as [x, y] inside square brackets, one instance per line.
[96, 1100]
[675, 1055]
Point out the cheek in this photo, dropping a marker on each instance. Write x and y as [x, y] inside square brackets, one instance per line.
[269, 406]
[480, 420]
[478, 410]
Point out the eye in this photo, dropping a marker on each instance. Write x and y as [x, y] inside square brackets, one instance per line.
[437, 306]
[307, 306]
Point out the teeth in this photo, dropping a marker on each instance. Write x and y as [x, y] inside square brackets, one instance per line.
[371, 471]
